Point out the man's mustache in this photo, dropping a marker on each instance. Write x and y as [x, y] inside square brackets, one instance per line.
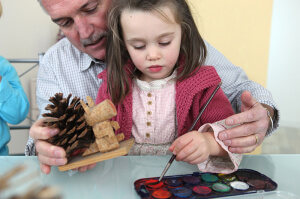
[92, 39]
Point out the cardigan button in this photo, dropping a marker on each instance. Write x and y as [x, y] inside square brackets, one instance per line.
[149, 94]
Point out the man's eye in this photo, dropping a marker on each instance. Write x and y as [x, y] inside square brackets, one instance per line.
[139, 47]
[165, 43]
[66, 23]
[93, 10]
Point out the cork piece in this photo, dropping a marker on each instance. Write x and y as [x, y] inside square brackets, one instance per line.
[115, 125]
[103, 111]
[103, 132]
[98, 116]
[107, 143]
[120, 137]
[92, 149]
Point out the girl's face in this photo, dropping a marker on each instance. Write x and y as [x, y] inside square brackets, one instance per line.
[153, 42]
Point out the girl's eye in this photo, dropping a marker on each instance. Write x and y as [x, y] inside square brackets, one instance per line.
[165, 43]
[139, 47]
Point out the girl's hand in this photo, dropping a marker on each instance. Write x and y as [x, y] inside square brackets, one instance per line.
[193, 147]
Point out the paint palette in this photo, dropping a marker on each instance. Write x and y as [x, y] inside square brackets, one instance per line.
[204, 185]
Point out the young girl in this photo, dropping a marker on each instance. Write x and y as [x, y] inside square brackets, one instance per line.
[156, 80]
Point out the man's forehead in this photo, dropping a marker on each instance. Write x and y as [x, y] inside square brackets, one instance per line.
[56, 5]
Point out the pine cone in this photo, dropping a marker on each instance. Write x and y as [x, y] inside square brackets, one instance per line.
[74, 131]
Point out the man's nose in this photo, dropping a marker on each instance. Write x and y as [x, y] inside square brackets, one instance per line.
[83, 27]
[153, 53]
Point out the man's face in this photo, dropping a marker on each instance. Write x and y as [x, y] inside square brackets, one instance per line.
[83, 22]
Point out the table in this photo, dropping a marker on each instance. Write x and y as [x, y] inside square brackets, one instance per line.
[114, 178]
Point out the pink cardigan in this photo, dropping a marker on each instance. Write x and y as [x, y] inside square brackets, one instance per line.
[191, 95]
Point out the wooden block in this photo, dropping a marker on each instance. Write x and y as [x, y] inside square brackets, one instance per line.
[80, 161]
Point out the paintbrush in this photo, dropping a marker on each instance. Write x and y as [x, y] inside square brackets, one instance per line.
[190, 129]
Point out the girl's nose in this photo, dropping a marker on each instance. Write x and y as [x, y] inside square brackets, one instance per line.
[153, 53]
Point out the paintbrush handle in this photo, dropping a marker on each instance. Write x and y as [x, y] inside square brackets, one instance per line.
[190, 129]
[167, 167]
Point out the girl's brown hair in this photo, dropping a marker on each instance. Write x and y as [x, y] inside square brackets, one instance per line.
[192, 45]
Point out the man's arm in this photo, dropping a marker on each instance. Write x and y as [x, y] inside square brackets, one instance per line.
[250, 107]
[45, 87]
[235, 82]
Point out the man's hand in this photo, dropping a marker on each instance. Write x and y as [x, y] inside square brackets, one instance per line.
[48, 154]
[255, 122]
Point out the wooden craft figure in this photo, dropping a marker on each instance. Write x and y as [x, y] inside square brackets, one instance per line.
[98, 117]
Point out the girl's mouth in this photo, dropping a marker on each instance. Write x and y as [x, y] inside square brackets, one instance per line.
[155, 68]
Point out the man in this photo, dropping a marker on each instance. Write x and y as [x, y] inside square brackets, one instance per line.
[72, 65]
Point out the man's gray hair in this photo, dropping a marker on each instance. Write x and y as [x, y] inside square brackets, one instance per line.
[40, 2]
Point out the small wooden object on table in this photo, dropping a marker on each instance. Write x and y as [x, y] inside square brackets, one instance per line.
[79, 161]
[77, 121]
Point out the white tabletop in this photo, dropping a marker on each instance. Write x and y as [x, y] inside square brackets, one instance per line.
[115, 178]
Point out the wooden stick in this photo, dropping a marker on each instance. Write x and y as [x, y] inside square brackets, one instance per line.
[11, 173]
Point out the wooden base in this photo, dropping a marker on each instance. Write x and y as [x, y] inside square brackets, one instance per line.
[80, 161]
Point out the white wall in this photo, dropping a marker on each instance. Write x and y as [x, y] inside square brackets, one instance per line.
[25, 31]
[284, 60]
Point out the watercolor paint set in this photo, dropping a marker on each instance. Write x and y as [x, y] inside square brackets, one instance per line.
[205, 185]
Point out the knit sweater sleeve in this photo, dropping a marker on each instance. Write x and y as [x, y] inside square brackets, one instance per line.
[192, 95]
[220, 164]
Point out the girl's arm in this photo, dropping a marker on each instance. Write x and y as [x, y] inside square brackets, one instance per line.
[14, 105]
[216, 149]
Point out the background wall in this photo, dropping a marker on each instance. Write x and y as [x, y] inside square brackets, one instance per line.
[238, 29]
[25, 31]
[284, 62]
[242, 36]
[263, 37]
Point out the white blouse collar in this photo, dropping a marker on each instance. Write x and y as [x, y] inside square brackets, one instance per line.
[156, 84]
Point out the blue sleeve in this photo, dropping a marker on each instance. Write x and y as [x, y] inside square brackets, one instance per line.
[14, 105]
